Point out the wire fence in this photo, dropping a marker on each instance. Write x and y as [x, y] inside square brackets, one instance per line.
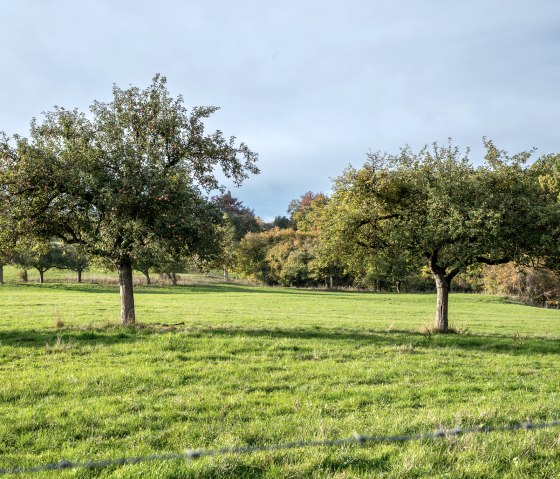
[194, 454]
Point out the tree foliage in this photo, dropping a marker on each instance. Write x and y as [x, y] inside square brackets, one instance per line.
[276, 256]
[540, 286]
[547, 172]
[304, 211]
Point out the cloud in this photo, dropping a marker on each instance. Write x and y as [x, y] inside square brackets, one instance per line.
[311, 85]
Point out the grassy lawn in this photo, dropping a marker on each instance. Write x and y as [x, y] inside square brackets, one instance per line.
[223, 366]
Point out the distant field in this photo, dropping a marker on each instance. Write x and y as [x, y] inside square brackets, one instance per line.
[223, 365]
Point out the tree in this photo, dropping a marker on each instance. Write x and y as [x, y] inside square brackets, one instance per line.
[172, 264]
[436, 206]
[5, 256]
[306, 215]
[41, 256]
[303, 211]
[7, 231]
[532, 285]
[279, 256]
[282, 222]
[289, 259]
[242, 218]
[135, 176]
[229, 245]
[144, 268]
[238, 220]
[252, 253]
[381, 270]
[547, 172]
[75, 259]
[6, 249]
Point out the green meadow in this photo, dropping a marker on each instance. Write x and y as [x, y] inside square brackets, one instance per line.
[214, 365]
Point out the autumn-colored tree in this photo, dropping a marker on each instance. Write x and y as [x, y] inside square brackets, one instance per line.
[532, 285]
[290, 259]
[242, 218]
[304, 210]
[252, 253]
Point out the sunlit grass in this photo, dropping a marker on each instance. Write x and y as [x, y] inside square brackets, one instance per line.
[219, 366]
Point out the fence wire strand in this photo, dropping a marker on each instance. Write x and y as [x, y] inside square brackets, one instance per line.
[193, 454]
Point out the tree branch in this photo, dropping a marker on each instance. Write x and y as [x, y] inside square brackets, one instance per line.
[382, 244]
[454, 272]
[372, 221]
[492, 262]
[433, 258]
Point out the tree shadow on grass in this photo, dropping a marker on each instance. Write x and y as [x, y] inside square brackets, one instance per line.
[514, 344]
[77, 287]
[138, 290]
[33, 338]
[113, 334]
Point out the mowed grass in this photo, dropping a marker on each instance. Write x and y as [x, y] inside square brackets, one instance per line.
[224, 366]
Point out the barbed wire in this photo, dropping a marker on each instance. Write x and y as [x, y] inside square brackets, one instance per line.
[194, 454]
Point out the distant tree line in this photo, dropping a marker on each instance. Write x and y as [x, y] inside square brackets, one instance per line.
[43, 256]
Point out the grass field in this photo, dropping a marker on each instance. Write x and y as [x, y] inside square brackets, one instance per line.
[222, 366]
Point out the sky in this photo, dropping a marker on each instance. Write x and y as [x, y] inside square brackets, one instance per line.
[310, 85]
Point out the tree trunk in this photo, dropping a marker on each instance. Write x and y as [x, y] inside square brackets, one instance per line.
[41, 276]
[148, 279]
[226, 274]
[1, 274]
[127, 295]
[23, 276]
[398, 286]
[442, 308]
[174, 278]
[79, 276]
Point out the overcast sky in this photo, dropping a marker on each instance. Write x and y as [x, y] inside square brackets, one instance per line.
[310, 85]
